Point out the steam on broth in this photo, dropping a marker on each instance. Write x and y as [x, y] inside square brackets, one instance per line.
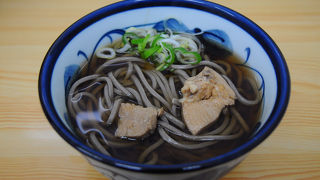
[163, 98]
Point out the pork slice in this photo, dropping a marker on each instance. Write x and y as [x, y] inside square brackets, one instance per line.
[204, 97]
[136, 121]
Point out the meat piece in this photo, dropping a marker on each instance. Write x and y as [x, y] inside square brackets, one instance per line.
[204, 97]
[136, 121]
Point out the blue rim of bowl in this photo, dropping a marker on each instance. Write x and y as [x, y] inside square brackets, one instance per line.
[277, 59]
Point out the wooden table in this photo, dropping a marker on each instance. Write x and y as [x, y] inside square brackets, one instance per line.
[31, 149]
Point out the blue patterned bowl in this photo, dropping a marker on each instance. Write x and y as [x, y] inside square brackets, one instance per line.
[219, 25]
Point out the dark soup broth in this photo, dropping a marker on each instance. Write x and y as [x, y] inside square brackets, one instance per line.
[99, 90]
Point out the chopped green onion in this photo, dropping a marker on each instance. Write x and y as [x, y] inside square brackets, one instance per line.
[169, 59]
[137, 41]
[162, 55]
[195, 54]
[142, 45]
[156, 39]
[162, 67]
[148, 52]
[127, 35]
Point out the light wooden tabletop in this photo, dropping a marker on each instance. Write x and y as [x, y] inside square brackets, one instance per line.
[31, 149]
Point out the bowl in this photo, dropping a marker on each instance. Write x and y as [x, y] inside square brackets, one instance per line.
[218, 24]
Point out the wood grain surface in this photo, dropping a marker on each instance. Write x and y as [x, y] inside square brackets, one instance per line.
[31, 149]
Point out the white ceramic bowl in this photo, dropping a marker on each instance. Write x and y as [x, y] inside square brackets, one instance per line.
[220, 25]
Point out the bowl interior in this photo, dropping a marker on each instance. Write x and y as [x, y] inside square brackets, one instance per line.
[217, 29]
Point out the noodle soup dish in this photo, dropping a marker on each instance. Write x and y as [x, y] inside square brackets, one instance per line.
[150, 95]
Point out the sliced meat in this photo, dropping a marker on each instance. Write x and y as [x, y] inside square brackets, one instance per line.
[136, 121]
[204, 96]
